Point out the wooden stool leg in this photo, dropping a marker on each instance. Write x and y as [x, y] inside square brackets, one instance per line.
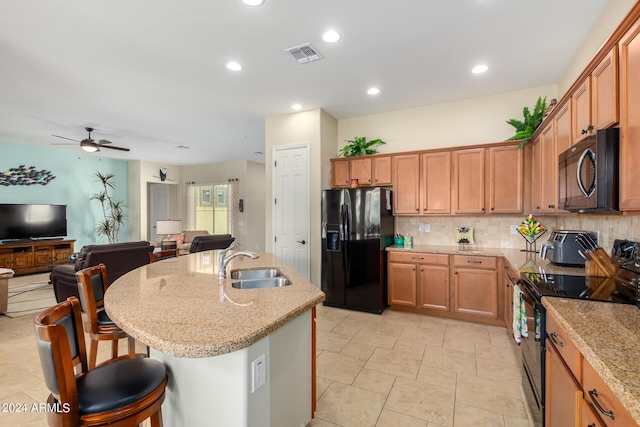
[114, 349]
[93, 355]
[156, 419]
[132, 347]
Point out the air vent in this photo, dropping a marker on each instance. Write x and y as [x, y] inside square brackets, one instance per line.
[304, 53]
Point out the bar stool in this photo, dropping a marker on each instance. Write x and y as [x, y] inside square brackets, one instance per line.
[92, 284]
[121, 392]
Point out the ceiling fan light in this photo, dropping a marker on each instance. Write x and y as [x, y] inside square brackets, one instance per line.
[89, 146]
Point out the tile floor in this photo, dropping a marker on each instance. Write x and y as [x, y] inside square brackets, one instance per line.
[394, 370]
[402, 369]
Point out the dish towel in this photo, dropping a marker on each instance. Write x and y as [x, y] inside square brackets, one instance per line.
[520, 328]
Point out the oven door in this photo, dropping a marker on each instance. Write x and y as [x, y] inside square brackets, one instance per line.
[533, 355]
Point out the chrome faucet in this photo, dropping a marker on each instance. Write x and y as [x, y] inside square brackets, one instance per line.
[223, 259]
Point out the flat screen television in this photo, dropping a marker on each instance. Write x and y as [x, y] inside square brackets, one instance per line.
[23, 222]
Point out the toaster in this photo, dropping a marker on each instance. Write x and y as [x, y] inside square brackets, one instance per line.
[563, 249]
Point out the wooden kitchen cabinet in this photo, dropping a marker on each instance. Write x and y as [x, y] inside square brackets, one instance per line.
[368, 170]
[381, 174]
[419, 280]
[469, 181]
[360, 169]
[435, 184]
[506, 179]
[475, 286]
[402, 281]
[544, 182]
[574, 390]
[595, 101]
[563, 394]
[340, 173]
[630, 119]
[406, 184]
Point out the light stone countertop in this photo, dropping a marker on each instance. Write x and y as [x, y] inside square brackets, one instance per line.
[607, 334]
[179, 307]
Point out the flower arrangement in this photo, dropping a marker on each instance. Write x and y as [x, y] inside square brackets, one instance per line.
[531, 229]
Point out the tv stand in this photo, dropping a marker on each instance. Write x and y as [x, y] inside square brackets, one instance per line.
[34, 256]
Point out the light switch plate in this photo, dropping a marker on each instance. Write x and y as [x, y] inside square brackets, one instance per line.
[427, 228]
[514, 229]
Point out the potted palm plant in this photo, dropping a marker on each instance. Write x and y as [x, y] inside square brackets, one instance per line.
[526, 127]
[113, 210]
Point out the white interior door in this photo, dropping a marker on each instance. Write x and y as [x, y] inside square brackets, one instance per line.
[291, 221]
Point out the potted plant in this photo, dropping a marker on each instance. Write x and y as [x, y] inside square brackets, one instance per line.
[359, 146]
[113, 210]
[526, 127]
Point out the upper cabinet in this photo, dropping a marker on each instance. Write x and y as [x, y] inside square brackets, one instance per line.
[468, 181]
[406, 184]
[435, 184]
[630, 119]
[368, 170]
[506, 179]
[595, 100]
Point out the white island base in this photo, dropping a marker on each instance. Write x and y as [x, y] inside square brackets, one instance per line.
[216, 391]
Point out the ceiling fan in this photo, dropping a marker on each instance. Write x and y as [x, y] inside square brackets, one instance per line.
[91, 145]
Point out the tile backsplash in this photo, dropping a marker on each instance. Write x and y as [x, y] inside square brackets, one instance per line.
[495, 231]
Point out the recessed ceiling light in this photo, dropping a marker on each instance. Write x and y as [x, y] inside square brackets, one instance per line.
[373, 91]
[479, 69]
[234, 66]
[296, 107]
[253, 2]
[331, 36]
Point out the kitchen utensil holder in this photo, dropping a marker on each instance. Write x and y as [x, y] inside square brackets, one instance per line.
[530, 241]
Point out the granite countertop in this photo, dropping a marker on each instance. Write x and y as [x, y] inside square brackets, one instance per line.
[608, 336]
[178, 306]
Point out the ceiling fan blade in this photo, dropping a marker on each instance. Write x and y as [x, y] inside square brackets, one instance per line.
[64, 137]
[115, 148]
[102, 141]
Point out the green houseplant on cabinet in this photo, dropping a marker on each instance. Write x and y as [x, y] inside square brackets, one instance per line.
[359, 146]
[526, 127]
[113, 210]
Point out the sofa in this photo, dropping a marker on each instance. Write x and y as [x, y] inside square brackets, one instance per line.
[119, 258]
[185, 240]
[211, 242]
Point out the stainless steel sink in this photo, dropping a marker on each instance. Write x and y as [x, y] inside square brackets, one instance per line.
[263, 273]
[269, 282]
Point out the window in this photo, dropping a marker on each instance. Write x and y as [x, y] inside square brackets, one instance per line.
[212, 208]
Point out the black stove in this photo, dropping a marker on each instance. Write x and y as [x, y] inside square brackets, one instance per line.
[622, 288]
[581, 287]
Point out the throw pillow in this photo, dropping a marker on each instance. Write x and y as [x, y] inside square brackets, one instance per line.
[179, 238]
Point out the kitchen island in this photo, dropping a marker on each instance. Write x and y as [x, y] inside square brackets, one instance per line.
[210, 334]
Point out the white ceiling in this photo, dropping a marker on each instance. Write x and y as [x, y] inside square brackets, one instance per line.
[150, 75]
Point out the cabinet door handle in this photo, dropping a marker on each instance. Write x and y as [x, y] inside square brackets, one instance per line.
[554, 338]
[474, 262]
[417, 257]
[593, 394]
[583, 131]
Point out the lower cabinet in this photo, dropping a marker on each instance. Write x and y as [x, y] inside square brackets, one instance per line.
[475, 286]
[35, 256]
[462, 287]
[575, 393]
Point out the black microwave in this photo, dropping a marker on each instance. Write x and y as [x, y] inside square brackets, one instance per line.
[588, 174]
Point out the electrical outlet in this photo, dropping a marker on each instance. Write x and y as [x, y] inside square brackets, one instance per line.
[258, 373]
[427, 228]
[514, 229]
[420, 227]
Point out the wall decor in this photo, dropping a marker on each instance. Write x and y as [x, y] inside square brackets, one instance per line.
[464, 235]
[23, 175]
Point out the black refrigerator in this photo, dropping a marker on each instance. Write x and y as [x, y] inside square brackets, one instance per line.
[357, 225]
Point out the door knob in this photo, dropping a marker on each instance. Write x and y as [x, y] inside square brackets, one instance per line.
[301, 241]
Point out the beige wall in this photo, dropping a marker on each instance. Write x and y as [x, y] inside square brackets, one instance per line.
[319, 129]
[609, 20]
[254, 202]
[140, 174]
[472, 121]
